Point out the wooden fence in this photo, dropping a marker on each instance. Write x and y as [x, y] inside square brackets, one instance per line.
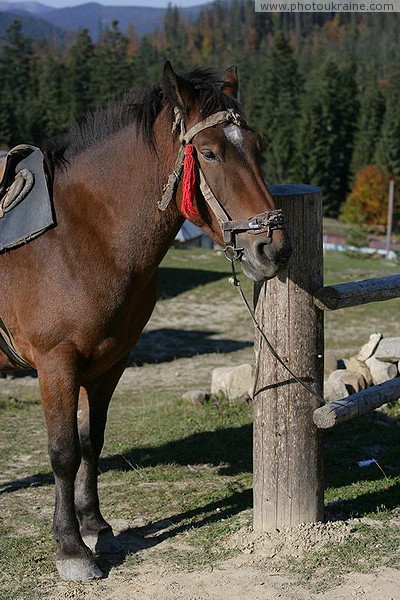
[288, 478]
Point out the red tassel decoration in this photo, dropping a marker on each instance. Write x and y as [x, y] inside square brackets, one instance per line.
[188, 207]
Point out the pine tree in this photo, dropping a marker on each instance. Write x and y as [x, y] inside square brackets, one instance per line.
[326, 133]
[369, 124]
[388, 149]
[349, 109]
[15, 76]
[111, 69]
[80, 61]
[272, 103]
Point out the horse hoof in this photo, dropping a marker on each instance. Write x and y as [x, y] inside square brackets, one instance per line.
[78, 569]
[103, 543]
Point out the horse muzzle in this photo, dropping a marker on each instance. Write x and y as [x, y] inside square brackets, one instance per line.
[260, 243]
[265, 256]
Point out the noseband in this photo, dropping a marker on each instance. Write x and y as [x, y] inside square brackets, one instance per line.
[264, 222]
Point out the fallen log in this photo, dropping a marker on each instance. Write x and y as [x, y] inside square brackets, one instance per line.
[358, 404]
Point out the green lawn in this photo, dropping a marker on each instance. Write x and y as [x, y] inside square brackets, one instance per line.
[182, 473]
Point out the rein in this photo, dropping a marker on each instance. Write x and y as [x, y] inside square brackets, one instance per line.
[264, 222]
[236, 283]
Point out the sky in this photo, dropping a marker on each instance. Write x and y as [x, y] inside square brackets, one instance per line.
[162, 3]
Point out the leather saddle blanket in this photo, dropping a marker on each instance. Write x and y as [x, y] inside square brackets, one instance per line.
[25, 200]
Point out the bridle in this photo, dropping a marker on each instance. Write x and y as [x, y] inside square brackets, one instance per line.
[264, 222]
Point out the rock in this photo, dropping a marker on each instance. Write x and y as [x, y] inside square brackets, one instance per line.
[330, 361]
[369, 348]
[388, 350]
[196, 396]
[234, 382]
[357, 365]
[381, 371]
[343, 382]
[335, 390]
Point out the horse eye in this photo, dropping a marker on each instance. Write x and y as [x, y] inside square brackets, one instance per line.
[209, 155]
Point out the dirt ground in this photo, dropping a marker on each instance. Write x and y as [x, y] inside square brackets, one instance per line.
[248, 576]
[254, 573]
[234, 581]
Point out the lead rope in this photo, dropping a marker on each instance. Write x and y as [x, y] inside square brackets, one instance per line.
[236, 283]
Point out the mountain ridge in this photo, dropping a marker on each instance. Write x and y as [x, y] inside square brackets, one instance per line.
[91, 15]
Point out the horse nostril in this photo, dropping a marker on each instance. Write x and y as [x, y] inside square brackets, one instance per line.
[276, 253]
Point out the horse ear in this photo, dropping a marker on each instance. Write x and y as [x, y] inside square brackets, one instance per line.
[231, 82]
[177, 90]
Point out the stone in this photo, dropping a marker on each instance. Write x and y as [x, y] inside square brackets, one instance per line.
[343, 382]
[357, 365]
[381, 371]
[388, 350]
[330, 361]
[369, 348]
[196, 396]
[335, 390]
[233, 382]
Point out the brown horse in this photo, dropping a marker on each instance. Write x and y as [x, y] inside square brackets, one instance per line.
[77, 298]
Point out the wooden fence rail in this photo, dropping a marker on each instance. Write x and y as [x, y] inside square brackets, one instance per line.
[354, 293]
[373, 397]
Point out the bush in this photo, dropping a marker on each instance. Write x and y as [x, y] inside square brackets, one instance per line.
[367, 203]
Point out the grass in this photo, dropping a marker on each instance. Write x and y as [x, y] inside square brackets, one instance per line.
[177, 476]
[368, 549]
[345, 330]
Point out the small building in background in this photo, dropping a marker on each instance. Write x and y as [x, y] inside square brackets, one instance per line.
[191, 236]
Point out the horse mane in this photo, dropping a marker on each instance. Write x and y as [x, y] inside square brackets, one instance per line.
[141, 109]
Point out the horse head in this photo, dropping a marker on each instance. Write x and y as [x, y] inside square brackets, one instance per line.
[223, 191]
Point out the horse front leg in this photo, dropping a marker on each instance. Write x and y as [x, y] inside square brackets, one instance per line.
[59, 389]
[92, 416]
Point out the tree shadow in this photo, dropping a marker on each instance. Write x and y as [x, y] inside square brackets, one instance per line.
[364, 504]
[229, 450]
[372, 436]
[165, 345]
[173, 281]
[135, 539]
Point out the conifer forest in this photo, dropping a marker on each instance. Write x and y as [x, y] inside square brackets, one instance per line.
[322, 89]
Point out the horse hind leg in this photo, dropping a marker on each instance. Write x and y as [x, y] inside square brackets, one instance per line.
[59, 389]
[92, 416]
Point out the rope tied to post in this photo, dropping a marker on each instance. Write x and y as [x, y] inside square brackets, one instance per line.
[236, 284]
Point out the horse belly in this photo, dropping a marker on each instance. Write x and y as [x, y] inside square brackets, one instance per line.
[125, 331]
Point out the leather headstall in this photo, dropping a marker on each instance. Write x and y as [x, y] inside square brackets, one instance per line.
[264, 222]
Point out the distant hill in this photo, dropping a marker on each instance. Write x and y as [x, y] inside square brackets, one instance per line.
[32, 27]
[33, 8]
[92, 16]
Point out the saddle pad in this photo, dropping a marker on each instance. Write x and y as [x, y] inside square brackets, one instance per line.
[33, 215]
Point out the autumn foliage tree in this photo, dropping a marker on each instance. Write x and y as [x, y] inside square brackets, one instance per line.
[367, 204]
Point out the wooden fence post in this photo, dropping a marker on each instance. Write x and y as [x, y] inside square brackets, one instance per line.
[288, 486]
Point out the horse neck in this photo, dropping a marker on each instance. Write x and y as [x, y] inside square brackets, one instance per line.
[116, 186]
